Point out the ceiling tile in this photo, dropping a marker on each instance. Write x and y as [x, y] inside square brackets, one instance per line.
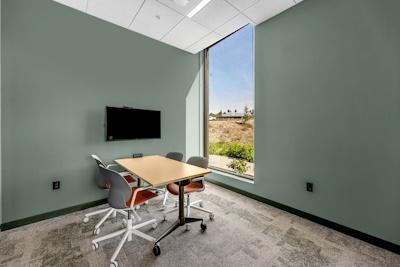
[77, 4]
[182, 9]
[155, 19]
[120, 12]
[266, 9]
[242, 4]
[205, 42]
[167, 21]
[233, 25]
[186, 33]
[215, 13]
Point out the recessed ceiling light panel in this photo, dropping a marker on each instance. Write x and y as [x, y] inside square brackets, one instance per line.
[184, 7]
[181, 2]
[199, 7]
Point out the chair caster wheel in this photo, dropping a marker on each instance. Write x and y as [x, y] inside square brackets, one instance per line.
[154, 225]
[164, 218]
[156, 250]
[86, 219]
[203, 227]
[211, 217]
[114, 264]
[95, 246]
[96, 231]
[201, 205]
[188, 227]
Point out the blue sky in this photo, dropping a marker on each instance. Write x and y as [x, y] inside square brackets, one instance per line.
[231, 64]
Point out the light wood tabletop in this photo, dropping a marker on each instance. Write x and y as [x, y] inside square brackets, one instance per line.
[159, 170]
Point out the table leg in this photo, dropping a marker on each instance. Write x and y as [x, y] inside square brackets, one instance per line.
[181, 204]
[182, 220]
[169, 230]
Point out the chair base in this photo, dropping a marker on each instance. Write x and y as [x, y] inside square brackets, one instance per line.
[109, 212]
[188, 205]
[164, 204]
[127, 233]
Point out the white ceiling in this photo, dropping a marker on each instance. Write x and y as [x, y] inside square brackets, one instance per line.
[167, 21]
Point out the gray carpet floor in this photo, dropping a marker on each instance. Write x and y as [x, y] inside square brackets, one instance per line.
[244, 233]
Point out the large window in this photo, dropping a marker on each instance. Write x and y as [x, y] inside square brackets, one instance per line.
[230, 103]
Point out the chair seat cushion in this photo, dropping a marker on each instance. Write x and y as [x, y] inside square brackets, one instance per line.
[130, 179]
[192, 187]
[141, 197]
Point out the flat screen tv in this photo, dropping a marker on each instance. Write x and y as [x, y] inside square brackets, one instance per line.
[130, 123]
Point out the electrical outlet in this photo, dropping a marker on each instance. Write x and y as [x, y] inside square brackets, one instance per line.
[310, 187]
[56, 185]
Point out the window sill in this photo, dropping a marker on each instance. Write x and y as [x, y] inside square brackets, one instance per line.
[232, 176]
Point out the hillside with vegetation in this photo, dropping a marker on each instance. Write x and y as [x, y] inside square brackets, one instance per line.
[231, 144]
[231, 131]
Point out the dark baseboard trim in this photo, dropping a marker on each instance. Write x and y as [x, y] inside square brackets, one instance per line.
[51, 214]
[335, 226]
[338, 227]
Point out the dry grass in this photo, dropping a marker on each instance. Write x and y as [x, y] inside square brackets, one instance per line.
[230, 131]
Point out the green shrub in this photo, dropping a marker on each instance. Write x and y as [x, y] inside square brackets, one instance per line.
[239, 166]
[232, 150]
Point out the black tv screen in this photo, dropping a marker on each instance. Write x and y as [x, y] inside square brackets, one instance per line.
[131, 123]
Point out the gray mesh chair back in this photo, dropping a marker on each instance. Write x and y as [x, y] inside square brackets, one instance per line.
[175, 156]
[201, 162]
[100, 181]
[120, 190]
[98, 160]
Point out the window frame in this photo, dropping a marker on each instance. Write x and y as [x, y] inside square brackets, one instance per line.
[206, 103]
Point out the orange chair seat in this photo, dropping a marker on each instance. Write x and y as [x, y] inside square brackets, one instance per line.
[141, 197]
[130, 179]
[192, 187]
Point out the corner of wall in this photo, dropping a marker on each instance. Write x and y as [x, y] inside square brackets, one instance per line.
[0, 123]
[194, 113]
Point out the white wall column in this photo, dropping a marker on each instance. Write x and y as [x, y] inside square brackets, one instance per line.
[194, 113]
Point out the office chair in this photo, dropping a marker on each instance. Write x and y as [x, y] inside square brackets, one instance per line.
[122, 197]
[195, 185]
[127, 175]
[178, 157]
[105, 185]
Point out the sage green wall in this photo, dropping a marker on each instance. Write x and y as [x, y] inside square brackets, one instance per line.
[328, 111]
[60, 68]
[0, 122]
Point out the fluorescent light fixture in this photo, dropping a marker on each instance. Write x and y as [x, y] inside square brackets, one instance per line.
[199, 7]
[181, 2]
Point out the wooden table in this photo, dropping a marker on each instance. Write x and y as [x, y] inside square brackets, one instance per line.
[158, 171]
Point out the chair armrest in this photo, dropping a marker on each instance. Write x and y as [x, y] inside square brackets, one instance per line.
[135, 193]
[198, 179]
[111, 165]
[123, 173]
